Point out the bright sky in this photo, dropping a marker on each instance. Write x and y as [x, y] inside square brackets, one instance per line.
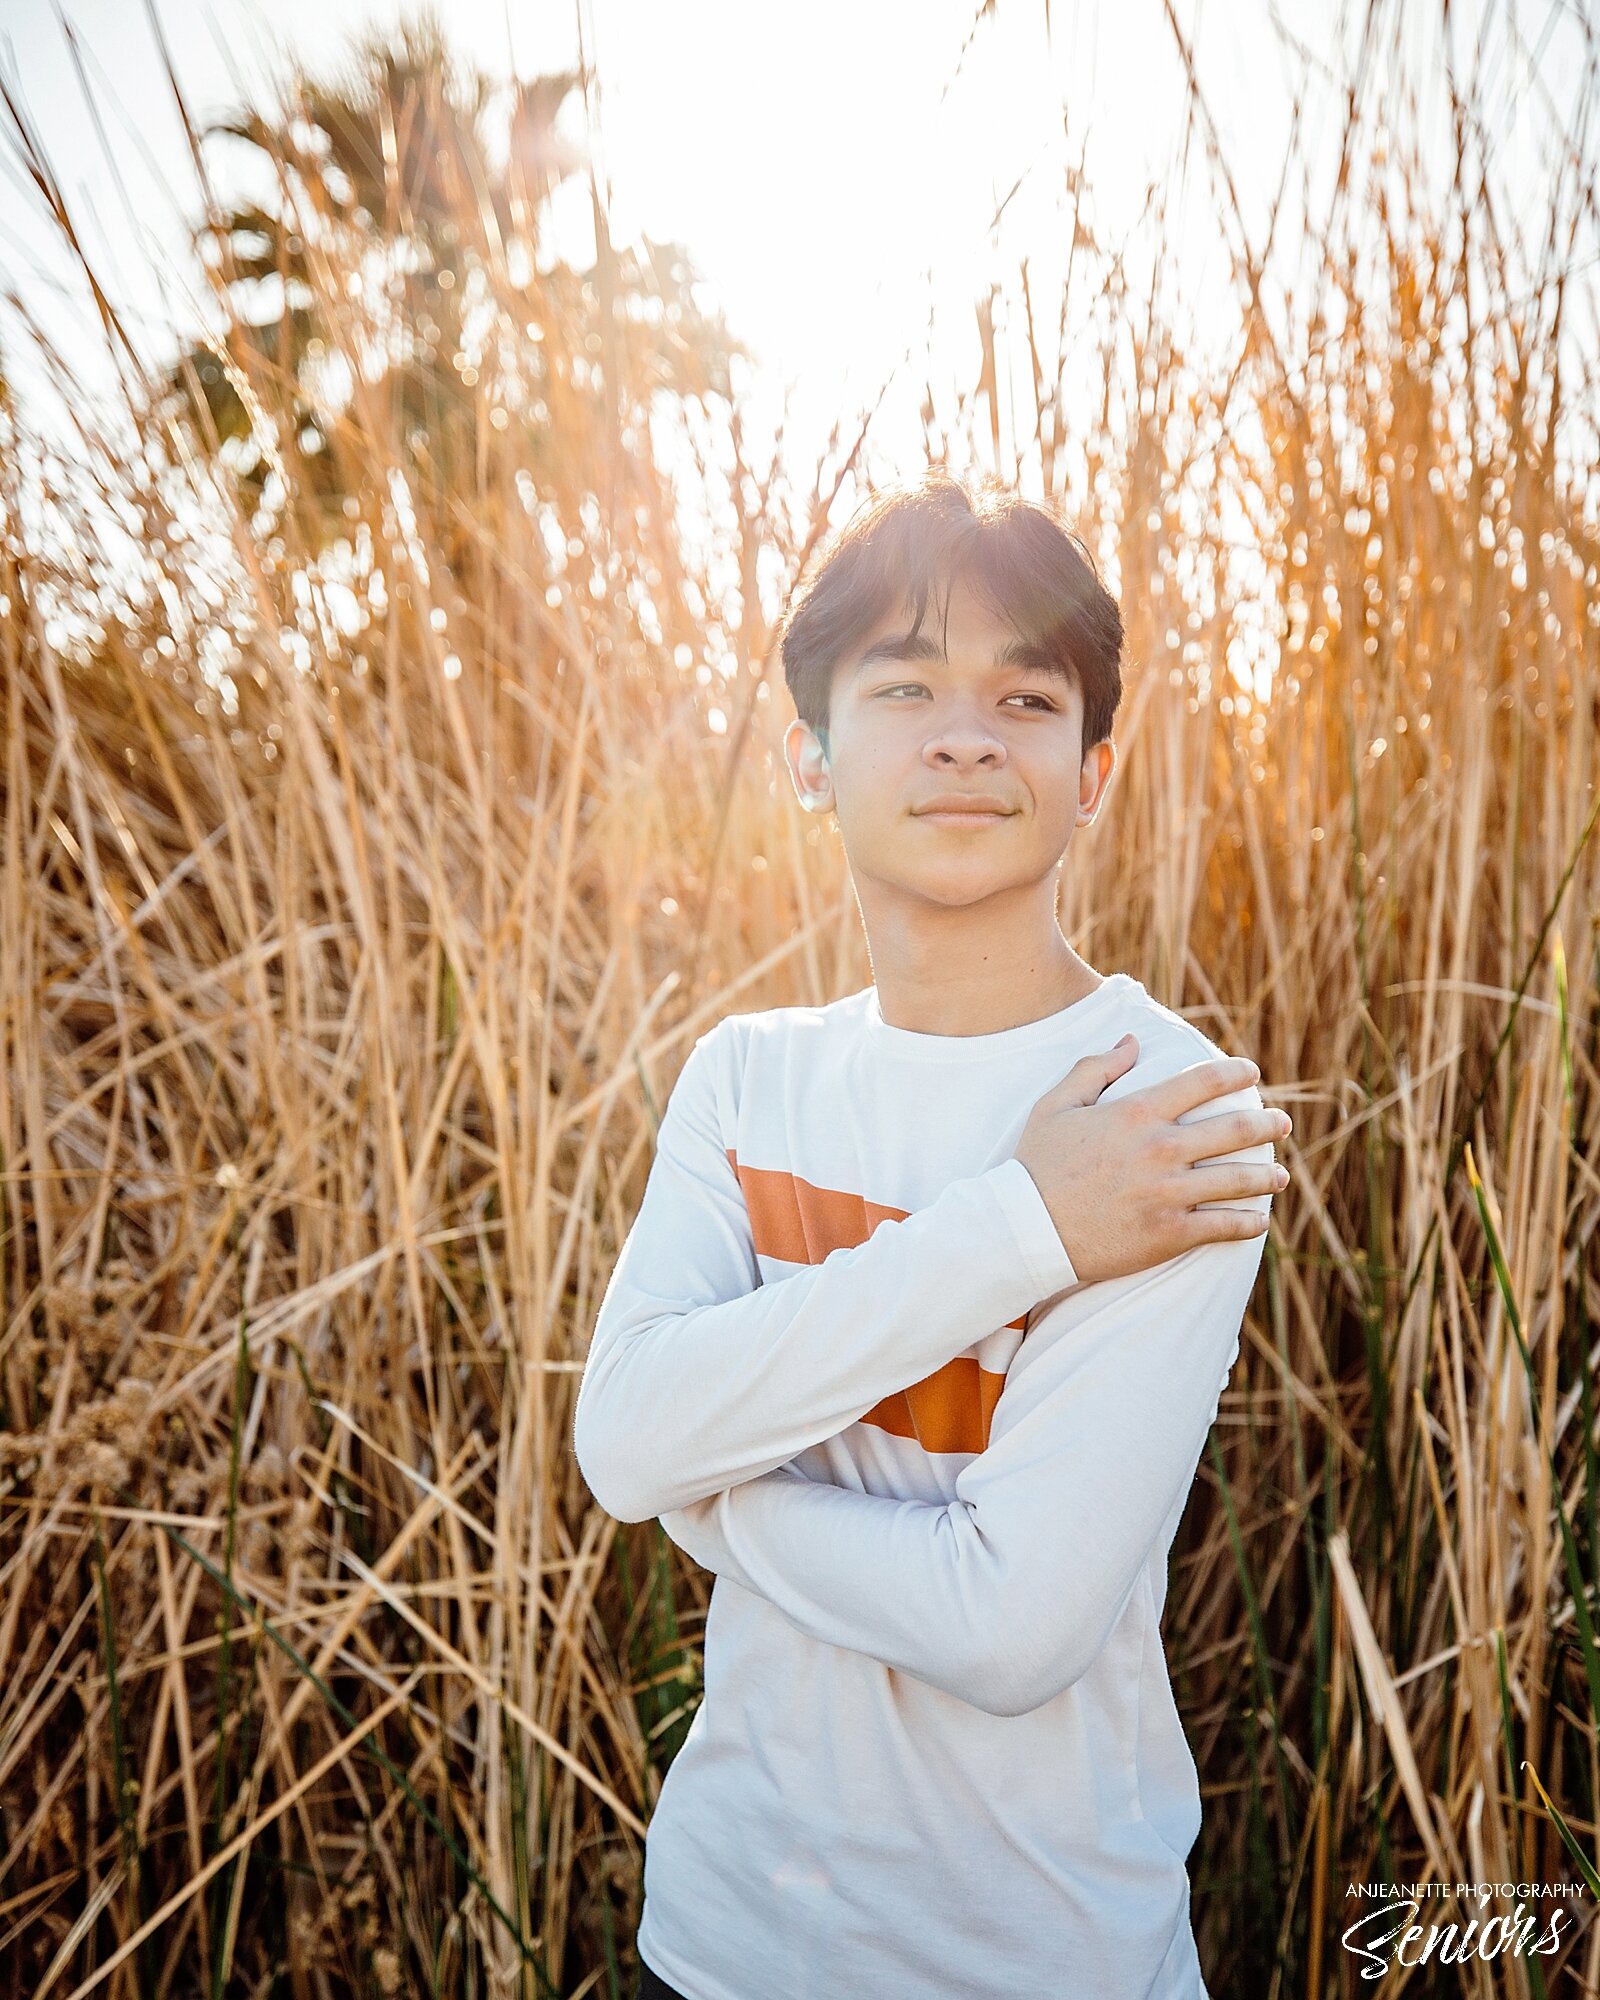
[831, 169]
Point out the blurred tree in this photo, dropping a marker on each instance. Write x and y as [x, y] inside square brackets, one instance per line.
[400, 283]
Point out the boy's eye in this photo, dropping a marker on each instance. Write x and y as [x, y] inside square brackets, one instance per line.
[1041, 702]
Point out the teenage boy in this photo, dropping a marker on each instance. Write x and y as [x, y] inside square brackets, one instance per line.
[919, 1332]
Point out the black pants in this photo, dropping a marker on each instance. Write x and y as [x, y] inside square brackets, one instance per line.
[653, 1987]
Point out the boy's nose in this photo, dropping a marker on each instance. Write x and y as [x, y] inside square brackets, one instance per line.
[963, 742]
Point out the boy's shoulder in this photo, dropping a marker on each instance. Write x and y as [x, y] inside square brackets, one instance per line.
[749, 1050]
[778, 1024]
[1170, 1043]
[1136, 1011]
[1147, 1015]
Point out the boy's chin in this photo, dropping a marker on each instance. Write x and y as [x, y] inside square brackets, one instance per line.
[957, 888]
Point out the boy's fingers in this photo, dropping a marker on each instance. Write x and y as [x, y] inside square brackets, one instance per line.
[1231, 1131]
[1089, 1075]
[1239, 1179]
[1196, 1085]
[1225, 1225]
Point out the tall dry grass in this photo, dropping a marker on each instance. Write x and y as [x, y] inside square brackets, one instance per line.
[372, 853]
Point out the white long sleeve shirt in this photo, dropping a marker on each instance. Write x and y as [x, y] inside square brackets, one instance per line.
[845, 1357]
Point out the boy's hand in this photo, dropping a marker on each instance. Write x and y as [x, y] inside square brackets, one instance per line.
[1119, 1179]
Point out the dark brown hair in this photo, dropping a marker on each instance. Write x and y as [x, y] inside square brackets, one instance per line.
[1027, 567]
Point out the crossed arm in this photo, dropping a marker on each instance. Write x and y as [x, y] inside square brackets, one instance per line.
[701, 1376]
[1004, 1596]
[700, 1388]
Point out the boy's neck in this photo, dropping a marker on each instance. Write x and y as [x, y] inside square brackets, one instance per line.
[969, 972]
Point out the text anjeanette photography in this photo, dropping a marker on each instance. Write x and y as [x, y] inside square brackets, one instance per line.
[1394, 1924]
[799, 1000]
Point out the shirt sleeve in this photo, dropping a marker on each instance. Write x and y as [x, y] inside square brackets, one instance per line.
[700, 1376]
[1004, 1596]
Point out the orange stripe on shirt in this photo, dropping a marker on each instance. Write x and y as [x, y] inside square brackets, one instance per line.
[799, 1223]
[791, 1219]
[948, 1410]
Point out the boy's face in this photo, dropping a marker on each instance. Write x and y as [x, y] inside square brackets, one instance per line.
[954, 777]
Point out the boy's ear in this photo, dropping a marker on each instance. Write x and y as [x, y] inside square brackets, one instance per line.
[1094, 775]
[805, 751]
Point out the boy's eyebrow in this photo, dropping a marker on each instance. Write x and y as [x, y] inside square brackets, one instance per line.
[902, 646]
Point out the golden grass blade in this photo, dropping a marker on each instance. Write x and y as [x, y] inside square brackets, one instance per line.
[1383, 1698]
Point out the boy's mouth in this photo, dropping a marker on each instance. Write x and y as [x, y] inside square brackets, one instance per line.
[964, 818]
[964, 809]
